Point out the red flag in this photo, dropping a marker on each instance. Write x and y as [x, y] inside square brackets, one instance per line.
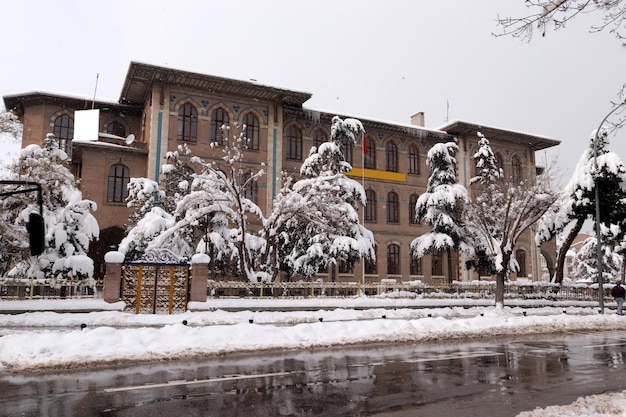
[364, 145]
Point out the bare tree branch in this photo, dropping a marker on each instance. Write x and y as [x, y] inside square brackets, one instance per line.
[557, 13]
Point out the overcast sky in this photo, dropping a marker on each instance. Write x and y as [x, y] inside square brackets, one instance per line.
[373, 59]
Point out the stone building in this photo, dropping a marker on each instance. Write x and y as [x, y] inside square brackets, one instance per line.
[160, 108]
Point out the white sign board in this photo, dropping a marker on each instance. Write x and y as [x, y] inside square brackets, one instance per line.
[86, 124]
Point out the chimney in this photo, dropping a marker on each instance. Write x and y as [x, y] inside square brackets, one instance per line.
[417, 119]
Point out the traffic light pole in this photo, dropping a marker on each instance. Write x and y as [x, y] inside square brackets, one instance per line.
[28, 190]
[35, 224]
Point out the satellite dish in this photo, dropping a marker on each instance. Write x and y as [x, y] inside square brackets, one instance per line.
[130, 139]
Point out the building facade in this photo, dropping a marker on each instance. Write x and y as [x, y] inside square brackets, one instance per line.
[162, 108]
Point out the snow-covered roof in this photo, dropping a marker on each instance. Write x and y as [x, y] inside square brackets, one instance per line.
[379, 123]
[536, 142]
[140, 77]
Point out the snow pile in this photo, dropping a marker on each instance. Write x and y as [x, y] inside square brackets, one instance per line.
[91, 338]
[595, 405]
[50, 340]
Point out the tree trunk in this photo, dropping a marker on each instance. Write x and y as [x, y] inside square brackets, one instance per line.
[567, 243]
[501, 278]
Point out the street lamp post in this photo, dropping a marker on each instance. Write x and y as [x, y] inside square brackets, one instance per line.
[597, 197]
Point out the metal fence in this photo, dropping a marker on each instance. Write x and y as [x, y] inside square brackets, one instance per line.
[311, 289]
[23, 289]
[475, 289]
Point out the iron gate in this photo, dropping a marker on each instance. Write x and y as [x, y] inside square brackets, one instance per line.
[155, 288]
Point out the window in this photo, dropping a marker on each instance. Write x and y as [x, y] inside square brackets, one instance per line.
[250, 188]
[392, 156]
[437, 262]
[219, 120]
[370, 156]
[252, 130]
[344, 268]
[117, 190]
[520, 257]
[348, 146]
[319, 137]
[412, 209]
[393, 259]
[64, 132]
[187, 123]
[414, 160]
[416, 266]
[117, 129]
[370, 208]
[294, 143]
[516, 170]
[499, 162]
[393, 215]
[370, 264]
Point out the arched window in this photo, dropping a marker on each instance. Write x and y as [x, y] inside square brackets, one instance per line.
[412, 209]
[64, 133]
[520, 257]
[516, 170]
[436, 262]
[414, 160]
[393, 208]
[348, 146]
[370, 264]
[252, 130]
[319, 137]
[250, 188]
[187, 123]
[499, 162]
[219, 120]
[370, 208]
[416, 266]
[370, 155]
[294, 143]
[117, 129]
[393, 259]
[391, 152]
[117, 190]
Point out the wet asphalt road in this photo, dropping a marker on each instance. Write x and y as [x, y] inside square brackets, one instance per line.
[486, 377]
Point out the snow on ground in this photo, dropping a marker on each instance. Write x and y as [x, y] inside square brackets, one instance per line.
[44, 338]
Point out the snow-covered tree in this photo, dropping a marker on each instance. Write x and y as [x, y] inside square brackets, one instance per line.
[587, 262]
[500, 212]
[576, 203]
[487, 184]
[69, 223]
[315, 221]
[155, 205]
[441, 207]
[10, 125]
[216, 212]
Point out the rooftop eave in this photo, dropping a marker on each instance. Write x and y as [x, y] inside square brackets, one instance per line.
[401, 129]
[17, 102]
[535, 142]
[141, 77]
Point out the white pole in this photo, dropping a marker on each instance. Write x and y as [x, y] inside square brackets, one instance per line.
[93, 103]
